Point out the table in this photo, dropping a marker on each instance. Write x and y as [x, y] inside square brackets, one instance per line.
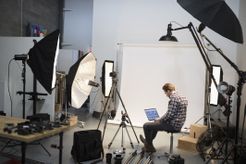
[27, 139]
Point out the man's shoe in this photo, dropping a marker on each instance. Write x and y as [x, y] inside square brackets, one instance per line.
[142, 139]
[150, 148]
[147, 147]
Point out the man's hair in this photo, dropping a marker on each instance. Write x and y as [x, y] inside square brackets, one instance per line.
[168, 87]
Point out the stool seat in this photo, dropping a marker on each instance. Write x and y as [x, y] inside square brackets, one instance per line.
[173, 131]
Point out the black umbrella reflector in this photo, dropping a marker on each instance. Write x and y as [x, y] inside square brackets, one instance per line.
[216, 15]
[78, 78]
[43, 59]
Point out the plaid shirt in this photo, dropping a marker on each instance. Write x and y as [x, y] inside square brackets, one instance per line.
[176, 113]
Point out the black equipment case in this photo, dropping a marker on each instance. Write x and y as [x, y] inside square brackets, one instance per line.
[87, 145]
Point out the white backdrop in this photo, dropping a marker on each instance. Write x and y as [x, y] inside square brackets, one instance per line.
[144, 68]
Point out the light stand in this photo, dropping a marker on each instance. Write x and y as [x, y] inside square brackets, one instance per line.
[109, 99]
[206, 61]
[217, 152]
[23, 58]
[202, 52]
[241, 81]
[24, 89]
[43, 52]
[241, 75]
[34, 94]
[215, 15]
[242, 131]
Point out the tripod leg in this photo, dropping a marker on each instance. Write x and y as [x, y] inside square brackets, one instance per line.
[122, 138]
[226, 158]
[129, 137]
[214, 153]
[117, 92]
[104, 128]
[109, 145]
[104, 108]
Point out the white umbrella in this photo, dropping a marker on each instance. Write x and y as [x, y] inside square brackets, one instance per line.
[78, 78]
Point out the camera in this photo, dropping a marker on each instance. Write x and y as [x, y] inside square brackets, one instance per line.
[118, 156]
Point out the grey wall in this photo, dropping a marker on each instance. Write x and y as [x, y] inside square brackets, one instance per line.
[16, 14]
[77, 26]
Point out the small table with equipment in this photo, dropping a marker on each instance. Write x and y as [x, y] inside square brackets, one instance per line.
[30, 138]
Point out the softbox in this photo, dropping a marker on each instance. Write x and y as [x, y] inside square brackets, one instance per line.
[218, 76]
[107, 81]
[77, 80]
[43, 58]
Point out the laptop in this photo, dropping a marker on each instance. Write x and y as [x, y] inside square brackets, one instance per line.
[151, 113]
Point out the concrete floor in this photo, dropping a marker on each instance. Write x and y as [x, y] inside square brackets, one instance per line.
[37, 153]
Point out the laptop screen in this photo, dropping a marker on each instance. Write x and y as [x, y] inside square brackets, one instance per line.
[151, 114]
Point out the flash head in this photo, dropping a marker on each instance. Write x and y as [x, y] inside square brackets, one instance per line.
[225, 88]
[113, 74]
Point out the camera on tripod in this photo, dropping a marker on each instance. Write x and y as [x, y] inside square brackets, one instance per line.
[124, 117]
[110, 92]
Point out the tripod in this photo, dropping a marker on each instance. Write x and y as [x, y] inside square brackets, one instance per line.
[113, 91]
[124, 119]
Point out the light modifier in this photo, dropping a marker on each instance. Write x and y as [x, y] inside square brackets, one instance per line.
[225, 88]
[42, 59]
[218, 75]
[80, 80]
[169, 36]
[107, 80]
[215, 14]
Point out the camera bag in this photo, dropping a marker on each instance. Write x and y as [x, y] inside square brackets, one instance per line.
[87, 145]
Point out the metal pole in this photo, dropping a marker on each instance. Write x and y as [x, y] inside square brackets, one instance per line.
[24, 89]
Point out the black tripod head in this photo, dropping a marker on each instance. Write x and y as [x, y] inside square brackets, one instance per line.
[113, 75]
[124, 117]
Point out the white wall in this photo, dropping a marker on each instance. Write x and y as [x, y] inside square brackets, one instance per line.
[144, 21]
